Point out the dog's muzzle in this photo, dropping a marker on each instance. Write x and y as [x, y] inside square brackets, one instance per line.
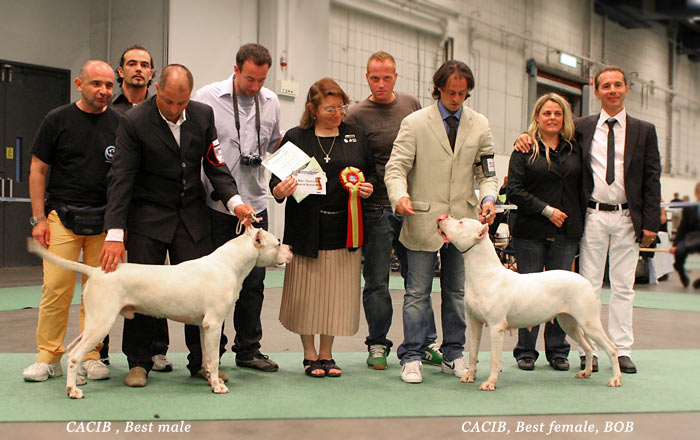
[444, 237]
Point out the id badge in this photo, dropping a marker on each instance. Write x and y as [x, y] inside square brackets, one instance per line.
[488, 165]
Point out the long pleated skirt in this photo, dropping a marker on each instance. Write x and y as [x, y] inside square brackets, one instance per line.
[322, 295]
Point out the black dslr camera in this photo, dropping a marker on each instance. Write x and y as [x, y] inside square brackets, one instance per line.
[251, 160]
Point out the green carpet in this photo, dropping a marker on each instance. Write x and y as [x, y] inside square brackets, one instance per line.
[15, 298]
[666, 383]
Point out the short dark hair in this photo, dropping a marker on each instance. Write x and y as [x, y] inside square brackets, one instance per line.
[320, 89]
[120, 80]
[254, 52]
[609, 69]
[449, 68]
[135, 47]
[167, 70]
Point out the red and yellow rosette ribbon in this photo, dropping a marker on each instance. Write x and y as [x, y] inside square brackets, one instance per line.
[351, 178]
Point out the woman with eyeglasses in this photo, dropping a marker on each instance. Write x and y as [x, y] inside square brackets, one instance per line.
[321, 293]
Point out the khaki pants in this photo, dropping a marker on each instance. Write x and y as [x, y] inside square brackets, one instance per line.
[57, 291]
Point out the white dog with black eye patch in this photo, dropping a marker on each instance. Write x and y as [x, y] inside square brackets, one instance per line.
[199, 292]
[502, 299]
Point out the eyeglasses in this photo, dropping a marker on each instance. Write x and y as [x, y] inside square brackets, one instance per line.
[330, 110]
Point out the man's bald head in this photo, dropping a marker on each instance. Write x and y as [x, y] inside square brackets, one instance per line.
[92, 66]
[173, 91]
[95, 83]
[177, 76]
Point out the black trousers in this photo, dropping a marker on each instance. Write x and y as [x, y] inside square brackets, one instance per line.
[141, 333]
[160, 342]
[246, 315]
[689, 245]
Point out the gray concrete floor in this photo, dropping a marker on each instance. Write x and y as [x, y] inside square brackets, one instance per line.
[654, 329]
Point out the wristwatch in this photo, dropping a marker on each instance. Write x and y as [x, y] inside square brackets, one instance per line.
[36, 220]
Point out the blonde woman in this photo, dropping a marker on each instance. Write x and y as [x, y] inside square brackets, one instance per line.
[545, 184]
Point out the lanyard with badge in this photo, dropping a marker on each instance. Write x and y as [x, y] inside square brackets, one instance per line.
[252, 160]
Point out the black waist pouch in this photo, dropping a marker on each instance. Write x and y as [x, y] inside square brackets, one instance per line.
[82, 220]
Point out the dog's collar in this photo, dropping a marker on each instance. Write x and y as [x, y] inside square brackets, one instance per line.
[470, 248]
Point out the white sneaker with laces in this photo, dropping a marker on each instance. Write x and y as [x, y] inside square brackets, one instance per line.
[94, 370]
[40, 371]
[161, 363]
[412, 372]
[458, 367]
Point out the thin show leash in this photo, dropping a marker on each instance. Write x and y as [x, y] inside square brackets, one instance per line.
[250, 218]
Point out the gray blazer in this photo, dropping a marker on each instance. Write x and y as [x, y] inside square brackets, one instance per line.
[438, 181]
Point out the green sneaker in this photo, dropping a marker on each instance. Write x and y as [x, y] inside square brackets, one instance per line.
[432, 355]
[377, 357]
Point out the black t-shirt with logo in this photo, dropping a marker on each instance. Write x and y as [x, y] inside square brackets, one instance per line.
[79, 147]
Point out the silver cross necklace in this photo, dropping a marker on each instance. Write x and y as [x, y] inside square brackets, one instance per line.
[328, 155]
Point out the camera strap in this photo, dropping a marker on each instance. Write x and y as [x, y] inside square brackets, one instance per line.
[237, 118]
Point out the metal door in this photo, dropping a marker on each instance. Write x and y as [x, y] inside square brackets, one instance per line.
[27, 93]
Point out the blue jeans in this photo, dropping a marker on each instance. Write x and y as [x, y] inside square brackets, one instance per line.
[382, 229]
[416, 303]
[535, 256]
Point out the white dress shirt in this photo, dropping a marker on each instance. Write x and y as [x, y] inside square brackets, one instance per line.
[613, 194]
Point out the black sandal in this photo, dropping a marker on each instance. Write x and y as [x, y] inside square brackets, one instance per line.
[311, 366]
[328, 365]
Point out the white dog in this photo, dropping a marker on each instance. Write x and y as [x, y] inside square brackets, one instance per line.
[199, 292]
[502, 300]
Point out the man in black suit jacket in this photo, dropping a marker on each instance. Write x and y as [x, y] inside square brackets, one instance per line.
[622, 191]
[155, 192]
[687, 239]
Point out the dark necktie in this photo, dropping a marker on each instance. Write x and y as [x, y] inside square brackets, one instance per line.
[610, 171]
[452, 131]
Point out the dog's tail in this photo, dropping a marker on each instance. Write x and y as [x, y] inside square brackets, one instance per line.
[36, 248]
[75, 341]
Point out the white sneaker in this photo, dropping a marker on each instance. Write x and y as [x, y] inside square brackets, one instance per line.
[458, 367]
[94, 370]
[40, 371]
[412, 372]
[161, 363]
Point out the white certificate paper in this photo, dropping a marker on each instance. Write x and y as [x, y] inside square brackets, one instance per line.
[310, 180]
[285, 161]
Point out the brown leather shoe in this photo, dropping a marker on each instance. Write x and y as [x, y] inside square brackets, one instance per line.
[136, 377]
[203, 374]
[526, 363]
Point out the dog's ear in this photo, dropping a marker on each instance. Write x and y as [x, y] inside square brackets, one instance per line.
[483, 231]
[259, 239]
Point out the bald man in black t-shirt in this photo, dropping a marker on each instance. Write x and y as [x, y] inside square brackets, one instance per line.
[75, 142]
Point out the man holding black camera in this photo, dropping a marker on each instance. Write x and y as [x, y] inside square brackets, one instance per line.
[247, 118]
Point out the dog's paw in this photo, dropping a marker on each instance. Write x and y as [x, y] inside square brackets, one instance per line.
[80, 380]
[74, 393]
[487, 386]
[615, 382]
[584, 374]
[468, 377]
[219, 388]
